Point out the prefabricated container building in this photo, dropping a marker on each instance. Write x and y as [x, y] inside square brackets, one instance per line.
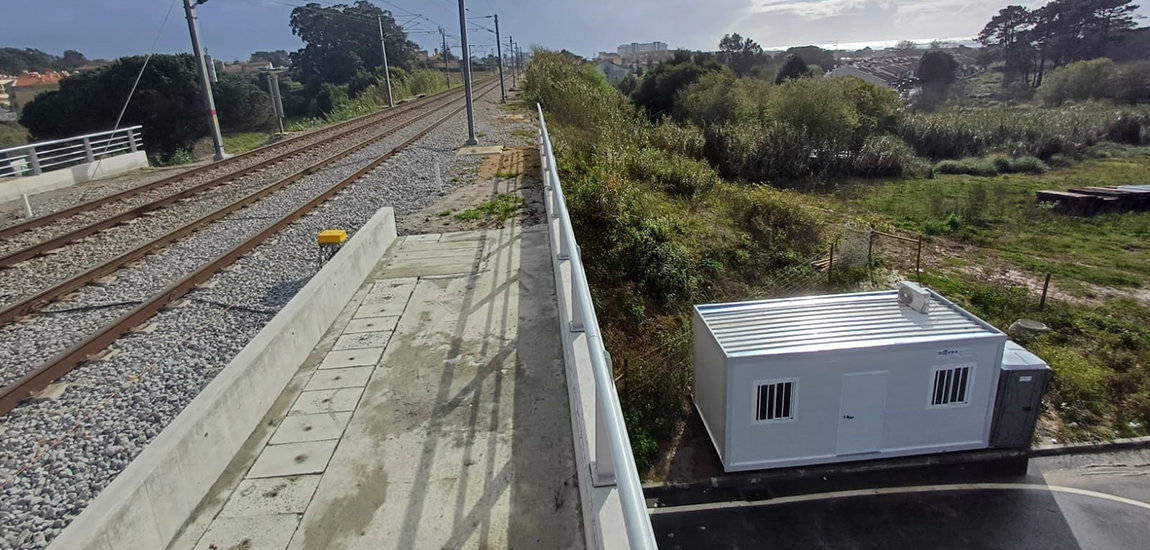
[854, 376]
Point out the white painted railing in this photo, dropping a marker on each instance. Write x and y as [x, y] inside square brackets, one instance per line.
[36, 158]
[613, 463]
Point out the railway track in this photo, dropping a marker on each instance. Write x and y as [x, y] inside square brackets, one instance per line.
[29, 286]
[232, 167]
[41, 376]
[14, 253]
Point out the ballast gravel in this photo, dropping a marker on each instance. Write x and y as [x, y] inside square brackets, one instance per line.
[56, 455]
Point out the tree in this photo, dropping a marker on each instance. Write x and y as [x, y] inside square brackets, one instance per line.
[1008, 35]
[937, 69]
[814, 55]
[794, 67]
[242, 105]
[340, 40]
[278, 58]
[905, 47]
[657, 92]
[740, 54]
[627, 84]
[167, 103]
[16, 61]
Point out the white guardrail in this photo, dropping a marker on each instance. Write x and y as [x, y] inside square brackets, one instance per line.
[36, 158]
[614, 464]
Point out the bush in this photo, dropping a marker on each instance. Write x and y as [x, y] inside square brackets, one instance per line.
[683, 139]
[1133, 82]
[330, 98]
[167, 103]
[241, 104]
[968, 166]
[884, 156]
[1080, 81]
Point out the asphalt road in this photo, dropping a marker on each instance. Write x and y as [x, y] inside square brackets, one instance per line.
[1083, 502]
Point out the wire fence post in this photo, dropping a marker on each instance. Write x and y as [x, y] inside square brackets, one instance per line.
[1045, 286]
[918, 260]
[132, 140]
[831, 264]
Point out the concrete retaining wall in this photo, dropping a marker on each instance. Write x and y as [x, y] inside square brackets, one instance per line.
[148, 503]
[12, 188]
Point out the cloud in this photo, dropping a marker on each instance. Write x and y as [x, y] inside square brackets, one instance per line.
[816, 9]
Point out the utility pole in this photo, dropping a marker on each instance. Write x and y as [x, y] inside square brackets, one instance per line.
[386, 72]
[443, 53]
[511, 58]
[277, 100]
[499, 53]
[466, 74]
[205, 82]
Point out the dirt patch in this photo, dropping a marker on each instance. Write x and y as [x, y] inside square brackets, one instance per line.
[515, 172]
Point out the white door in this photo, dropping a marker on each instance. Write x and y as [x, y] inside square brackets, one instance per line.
[861, 412]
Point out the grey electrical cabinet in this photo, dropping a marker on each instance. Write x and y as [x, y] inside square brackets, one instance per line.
[1021, 386]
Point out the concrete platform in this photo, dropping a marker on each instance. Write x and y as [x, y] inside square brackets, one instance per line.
[434, 415]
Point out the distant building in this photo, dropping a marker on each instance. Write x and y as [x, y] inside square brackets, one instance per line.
[6, 82]
[635, 48]
[896, 72]
[612, 71]
[29, 85]
[611, 57]
[420, 56]
[245, 68]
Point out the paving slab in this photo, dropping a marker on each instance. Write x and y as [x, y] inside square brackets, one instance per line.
[328, 379]
[340, 359]
[442, 408]
[250, 533]
[310, 427]
[324, 401]
[376, 324]
[271, 496]
[362, 340]
[292, 459]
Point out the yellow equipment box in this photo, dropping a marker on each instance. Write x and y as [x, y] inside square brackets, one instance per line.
[332, 236]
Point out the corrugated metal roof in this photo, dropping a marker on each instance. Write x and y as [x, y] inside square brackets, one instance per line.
[843, 321]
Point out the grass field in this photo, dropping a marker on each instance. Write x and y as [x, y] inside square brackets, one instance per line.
[990, 248]
[242, 142]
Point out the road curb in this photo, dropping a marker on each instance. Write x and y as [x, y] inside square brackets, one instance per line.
[1125, 444]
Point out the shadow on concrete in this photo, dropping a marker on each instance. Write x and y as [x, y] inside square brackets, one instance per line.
[533, 492]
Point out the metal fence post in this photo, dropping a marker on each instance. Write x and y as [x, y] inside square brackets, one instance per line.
[918, 260]
[831, 263]
[35, 161]
[564, 247]
[132, 139]
[88, 150]
[1045, 286]
[602, 469]
[577, 282]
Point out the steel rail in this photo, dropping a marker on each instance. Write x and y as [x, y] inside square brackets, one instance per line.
[56, 292]
[46, 219]
[41, 247]
[65, 361]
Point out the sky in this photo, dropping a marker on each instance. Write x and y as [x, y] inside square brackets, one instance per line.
[232, 29]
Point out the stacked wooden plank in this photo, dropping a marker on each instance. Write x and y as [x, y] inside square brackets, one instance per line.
[1088, 201]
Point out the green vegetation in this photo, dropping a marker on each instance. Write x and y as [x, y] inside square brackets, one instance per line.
[665, 231]
[91, 101]
[12, 134]
[500, 208]
[242, 142]
[676, 190]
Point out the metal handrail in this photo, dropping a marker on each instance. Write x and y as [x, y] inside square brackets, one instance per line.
[36, 158]
[610, 428]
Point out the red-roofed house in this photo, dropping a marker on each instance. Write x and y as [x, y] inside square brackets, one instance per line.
[30, 85]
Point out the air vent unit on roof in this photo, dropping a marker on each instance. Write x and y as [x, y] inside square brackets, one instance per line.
[914, 297]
